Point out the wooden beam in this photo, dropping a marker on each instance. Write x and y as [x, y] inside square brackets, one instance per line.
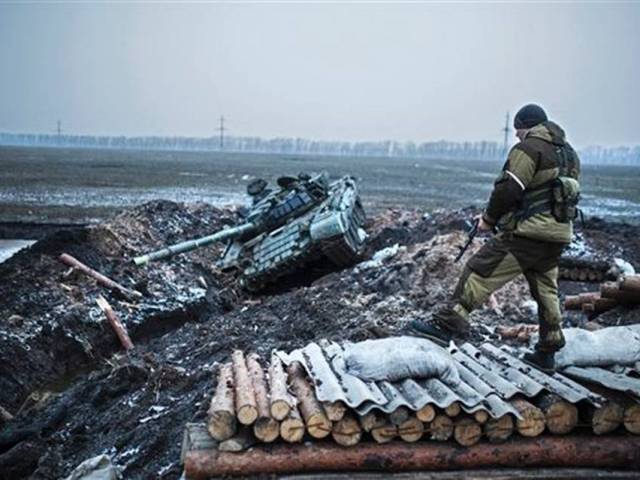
[565, 451]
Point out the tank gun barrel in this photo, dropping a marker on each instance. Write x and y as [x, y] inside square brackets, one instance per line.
[189, 245]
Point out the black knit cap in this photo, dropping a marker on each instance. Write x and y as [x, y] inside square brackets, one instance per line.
[529, 116]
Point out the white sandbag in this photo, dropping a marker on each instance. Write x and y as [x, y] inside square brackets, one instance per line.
[602, 348]
[96, 468]
[396, 358]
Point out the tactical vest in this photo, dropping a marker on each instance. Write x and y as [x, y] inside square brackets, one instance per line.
[559, 196]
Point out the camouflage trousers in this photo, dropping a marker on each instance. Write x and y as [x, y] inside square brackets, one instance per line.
[499, 261]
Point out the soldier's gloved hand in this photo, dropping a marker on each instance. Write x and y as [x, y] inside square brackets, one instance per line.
[482, 225]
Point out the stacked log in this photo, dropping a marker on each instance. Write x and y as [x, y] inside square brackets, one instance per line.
[222, 414]
[265, 428]
[532, 422]
[316, 421]
[411, 430]
[384, 433]
[583, 270]
[625, 291]
[250, 407]
[498, 430]
[245, 397]
[292, 428]
[606, 418]
[334, 410]
[631, 418]
[630, 283]
[467, 431]
[280, 400]
[560, 416]
[346, 431]
[441, 428]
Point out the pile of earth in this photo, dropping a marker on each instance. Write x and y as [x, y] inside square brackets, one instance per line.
[74, 395]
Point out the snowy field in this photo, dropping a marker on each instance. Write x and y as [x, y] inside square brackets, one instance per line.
[51, 185]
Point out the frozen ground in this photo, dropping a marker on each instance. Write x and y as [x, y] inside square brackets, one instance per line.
[57, 185]
[10, 247]
[75, 395]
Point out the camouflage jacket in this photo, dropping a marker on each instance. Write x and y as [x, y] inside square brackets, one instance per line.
[529, 165]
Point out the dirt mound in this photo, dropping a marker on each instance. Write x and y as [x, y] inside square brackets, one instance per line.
[51, 325]
[135, 407]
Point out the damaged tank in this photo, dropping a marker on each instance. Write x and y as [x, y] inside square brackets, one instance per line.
[305, 219]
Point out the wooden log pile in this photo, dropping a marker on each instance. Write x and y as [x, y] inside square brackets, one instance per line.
[625, 291]
[583, 270]
[255, 403]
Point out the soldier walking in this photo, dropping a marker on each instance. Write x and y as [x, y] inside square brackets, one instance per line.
[533, 205]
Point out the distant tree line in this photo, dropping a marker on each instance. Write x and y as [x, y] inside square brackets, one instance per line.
[483, 150]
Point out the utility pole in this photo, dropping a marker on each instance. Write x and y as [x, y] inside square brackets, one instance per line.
[506, 131]
[59, 129]
[221, 129]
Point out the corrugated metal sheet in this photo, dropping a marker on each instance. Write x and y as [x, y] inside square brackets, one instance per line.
[606, 378]
[489, 378]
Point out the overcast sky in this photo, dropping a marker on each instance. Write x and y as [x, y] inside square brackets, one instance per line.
[323, 70]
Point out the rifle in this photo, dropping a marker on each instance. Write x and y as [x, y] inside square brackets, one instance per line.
[473, 231]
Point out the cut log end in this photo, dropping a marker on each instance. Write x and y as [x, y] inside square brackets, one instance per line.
[318, 425]
[532, 422]
[632, 419]
[453, 410]
[292, 428]
[481, 416]
[467, 432]
[607, 418]
[498, 430]
[561, 417]
[335, 410]
[347, 431]
[221, 425]
[266, 429]
[280, 409]
[371, 420]
[411, 430]
[426, 414]
[441, 428]
[247, 414]
[384, 433]
[399, 415]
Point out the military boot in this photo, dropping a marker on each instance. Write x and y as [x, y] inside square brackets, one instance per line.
[544, 361]
[429, 330]
[446, 324]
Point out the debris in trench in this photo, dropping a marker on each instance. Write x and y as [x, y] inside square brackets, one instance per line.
[119, 329]
[521, 332]
[97, 276]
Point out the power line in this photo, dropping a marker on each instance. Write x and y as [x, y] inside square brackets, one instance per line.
[221, 129]
[506, 131]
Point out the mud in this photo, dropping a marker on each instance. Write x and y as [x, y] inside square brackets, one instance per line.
[76, 395]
